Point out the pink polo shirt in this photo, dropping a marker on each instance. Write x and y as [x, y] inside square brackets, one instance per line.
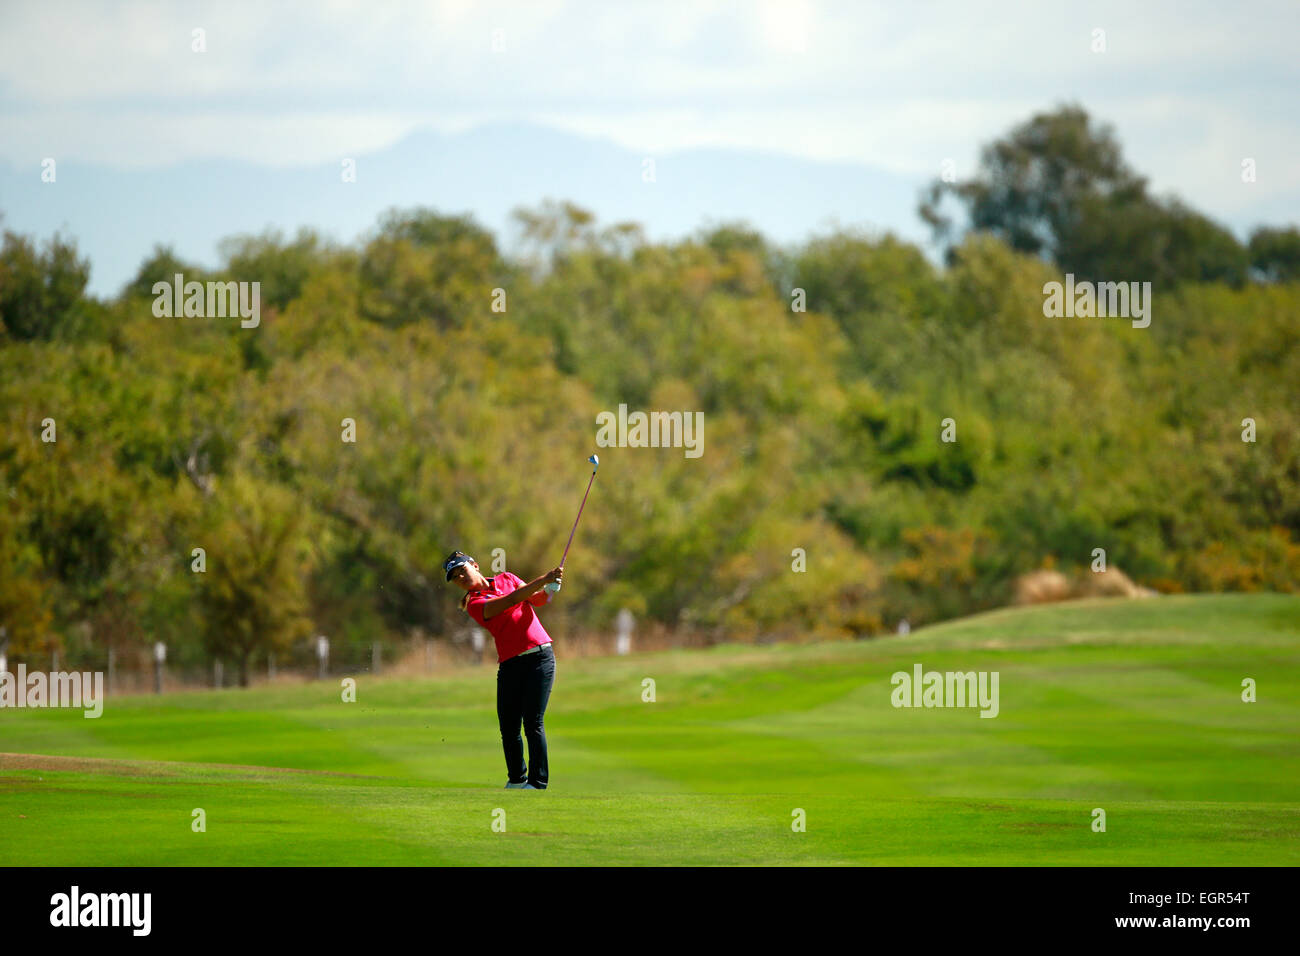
[517, 628]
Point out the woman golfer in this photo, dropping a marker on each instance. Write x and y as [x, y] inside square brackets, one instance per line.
[525, 660]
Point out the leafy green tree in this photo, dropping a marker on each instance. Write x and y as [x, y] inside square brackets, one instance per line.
[883, 293]
[1032, 182]
[253, 593]
[24, 596]
[1275, 253]
[281, 266]
[1057, 187]
[424, 266]
[41, 290]
[553, 231]
[162, 265]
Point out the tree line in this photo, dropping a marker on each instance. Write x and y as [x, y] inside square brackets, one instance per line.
[188, 480]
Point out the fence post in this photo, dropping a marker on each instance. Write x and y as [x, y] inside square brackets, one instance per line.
[624, 623]
[322, 656]
[159, 658]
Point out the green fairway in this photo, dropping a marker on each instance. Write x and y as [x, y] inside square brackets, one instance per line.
[1130, 706]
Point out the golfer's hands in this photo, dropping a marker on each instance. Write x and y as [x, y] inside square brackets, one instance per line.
[555, 575]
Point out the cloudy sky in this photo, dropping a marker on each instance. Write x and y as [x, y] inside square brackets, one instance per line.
[1192, 88]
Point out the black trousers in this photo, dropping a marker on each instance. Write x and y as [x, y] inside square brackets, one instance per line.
[523, 689]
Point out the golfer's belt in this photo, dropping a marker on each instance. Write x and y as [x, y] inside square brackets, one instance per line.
[531, 650]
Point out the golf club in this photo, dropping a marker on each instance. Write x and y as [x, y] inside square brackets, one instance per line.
[595, 463]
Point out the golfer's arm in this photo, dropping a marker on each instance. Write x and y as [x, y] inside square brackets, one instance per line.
[495, 606]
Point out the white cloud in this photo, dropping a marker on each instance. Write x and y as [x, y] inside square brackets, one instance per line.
[900, 87]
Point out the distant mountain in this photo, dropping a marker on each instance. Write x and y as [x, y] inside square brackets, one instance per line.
[118, 215]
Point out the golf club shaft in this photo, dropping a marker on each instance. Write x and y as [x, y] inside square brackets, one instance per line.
[575, 520]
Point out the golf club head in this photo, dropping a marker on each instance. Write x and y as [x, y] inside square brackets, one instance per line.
[595, 461]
